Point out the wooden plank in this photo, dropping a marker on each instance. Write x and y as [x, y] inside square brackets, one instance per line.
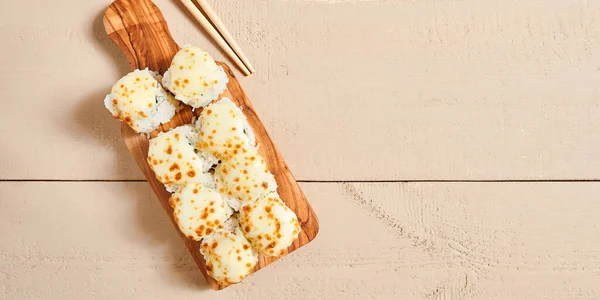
[141, 32]
[101, 240]
[438, 89]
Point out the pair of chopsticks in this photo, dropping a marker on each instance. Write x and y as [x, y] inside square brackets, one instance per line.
[220, 34]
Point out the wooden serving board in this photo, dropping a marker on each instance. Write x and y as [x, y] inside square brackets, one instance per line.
[139, 29]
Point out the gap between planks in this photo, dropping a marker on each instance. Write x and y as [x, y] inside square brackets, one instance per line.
[330, 181]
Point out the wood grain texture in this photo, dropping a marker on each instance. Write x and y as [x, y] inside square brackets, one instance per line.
[421, 241]
[141, 32]
[449, 90]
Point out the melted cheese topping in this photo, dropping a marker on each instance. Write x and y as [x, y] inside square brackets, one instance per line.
[140, 101]
[199, 211]
[224, 130]
[269, 224]
[245, 176]
[174, 161]
[194, 77]
[229, 256]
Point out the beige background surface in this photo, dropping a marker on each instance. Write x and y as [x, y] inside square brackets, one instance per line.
[483, 117]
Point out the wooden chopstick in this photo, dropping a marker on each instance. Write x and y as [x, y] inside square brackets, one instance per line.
[214, 18]
[214, 34]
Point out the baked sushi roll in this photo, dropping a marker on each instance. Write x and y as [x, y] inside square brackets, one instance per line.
[139, 100]
[175, 161]
[199, 210]
[224, 130]
[245, 176]
[229, 256]
[194, 77]
[269, 225]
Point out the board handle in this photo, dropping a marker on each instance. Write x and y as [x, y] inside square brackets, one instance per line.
[141, 32]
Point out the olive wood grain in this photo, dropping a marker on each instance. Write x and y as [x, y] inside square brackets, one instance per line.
[140, 31]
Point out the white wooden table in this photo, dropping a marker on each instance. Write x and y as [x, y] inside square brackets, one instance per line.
[451, 150]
